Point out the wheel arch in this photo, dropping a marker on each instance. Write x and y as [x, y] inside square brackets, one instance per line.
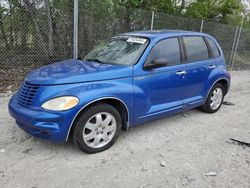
[225, 84]
[223, 81]
[113, 101]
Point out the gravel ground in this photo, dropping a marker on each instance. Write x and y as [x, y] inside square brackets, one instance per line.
[177, 151]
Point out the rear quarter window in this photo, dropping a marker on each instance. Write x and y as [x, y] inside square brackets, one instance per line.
[196, 48]
[214, 48]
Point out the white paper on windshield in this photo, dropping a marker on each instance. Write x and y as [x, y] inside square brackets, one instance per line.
[137, 40]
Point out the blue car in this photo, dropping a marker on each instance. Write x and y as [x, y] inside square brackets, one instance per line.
[131, 79]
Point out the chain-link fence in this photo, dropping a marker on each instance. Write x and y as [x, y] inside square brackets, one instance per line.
[34, 33]
[99, 20]
[242, 55]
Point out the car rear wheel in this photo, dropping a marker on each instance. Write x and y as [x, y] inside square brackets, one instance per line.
[215, 99]
[97, 128]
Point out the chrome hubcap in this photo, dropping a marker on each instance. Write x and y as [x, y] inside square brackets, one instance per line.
[216, 98]
[99, 130]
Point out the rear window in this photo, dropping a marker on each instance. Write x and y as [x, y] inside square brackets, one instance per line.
[214, 48]
[196, 49]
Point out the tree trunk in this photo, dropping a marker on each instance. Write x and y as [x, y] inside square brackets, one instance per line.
[11, 27]
[3, 33]
[51, 31]
[127, 18]
[182, 6]
[30, 10]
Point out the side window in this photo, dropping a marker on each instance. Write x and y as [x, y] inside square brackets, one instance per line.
[213, 47]
[196, 49]
[167, 50]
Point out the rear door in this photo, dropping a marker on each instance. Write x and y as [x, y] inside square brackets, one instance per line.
[199, 64]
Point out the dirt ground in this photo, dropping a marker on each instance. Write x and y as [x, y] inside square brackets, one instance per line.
[177, 151]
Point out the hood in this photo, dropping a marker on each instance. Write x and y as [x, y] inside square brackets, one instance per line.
[75, 71]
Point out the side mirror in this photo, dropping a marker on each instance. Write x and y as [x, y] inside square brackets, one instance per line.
[157, 63]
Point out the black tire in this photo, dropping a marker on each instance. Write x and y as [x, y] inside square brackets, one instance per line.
[85, 116]
[207, 106]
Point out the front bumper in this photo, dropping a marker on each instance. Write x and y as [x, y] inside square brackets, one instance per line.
[52, 126]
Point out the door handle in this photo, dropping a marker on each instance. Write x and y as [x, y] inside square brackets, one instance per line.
[181, 72]
[212, 66]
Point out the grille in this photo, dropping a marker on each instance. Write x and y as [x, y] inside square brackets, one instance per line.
[27, 93]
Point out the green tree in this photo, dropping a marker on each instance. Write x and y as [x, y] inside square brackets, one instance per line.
[217, 10]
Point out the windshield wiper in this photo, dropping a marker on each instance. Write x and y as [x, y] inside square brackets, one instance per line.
[96, 60]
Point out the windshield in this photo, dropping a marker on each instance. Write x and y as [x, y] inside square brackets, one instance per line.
[121, 50]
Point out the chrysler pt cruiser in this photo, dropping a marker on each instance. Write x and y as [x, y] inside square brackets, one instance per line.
[128, 80]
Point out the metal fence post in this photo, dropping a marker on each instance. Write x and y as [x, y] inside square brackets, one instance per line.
[233, 47]
[237, 43]
[152, 20]
[75, 37]
[202, 22]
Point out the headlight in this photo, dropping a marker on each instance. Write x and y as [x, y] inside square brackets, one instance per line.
[61, 103]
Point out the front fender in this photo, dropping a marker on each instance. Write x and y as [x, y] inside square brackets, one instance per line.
[121, 90]
[88, 92]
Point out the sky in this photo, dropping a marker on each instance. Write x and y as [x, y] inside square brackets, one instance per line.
[247, 4]
[4, 3]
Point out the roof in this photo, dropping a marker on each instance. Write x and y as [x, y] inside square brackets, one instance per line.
[161, 33]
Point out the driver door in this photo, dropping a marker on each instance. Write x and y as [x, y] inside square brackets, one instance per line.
[161, 90]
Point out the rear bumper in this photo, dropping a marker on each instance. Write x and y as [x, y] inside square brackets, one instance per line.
[40, 123]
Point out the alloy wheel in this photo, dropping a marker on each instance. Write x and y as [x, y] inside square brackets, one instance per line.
[99, 130]
[216, 98]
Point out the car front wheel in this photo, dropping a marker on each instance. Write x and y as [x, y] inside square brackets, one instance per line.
[97, 128]
[214, 99]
